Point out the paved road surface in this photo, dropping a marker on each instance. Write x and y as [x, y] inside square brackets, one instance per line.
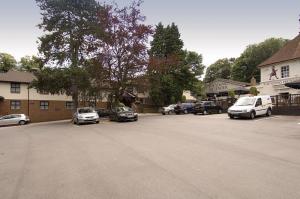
[158, 157]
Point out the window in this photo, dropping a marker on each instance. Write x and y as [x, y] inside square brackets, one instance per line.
[69, 105]
[44, 105]
[15, 105]
[258, 102]
[15, 87]
[285, 71]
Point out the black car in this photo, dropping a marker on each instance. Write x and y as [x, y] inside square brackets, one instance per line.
[103, 112]
[207, 107]
[122, 114]
[184, 108]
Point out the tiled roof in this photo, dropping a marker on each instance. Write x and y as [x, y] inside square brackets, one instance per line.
[290, 51]
[233, 82]
[16, 76]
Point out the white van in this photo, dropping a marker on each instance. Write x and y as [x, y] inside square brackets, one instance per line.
[251, 106]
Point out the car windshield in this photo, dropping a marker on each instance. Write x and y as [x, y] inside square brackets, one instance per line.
[85, 110]
[122, 109]
[246, 101]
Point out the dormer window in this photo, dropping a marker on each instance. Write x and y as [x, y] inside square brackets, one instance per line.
[285, 71]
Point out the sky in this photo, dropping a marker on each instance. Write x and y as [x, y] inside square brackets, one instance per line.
[214, 28]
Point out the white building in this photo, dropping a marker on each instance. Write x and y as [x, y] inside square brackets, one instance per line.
[282, 68]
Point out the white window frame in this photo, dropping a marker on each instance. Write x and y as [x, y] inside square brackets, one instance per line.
[15, 105]
[44, 105]
[285, 71]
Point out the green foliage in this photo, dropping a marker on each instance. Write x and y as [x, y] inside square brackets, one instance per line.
[254, 91]
[198, 90]
[183, 99]
[171, 69]
[67, 24]
[30, 64]
[245, 67]
[7, 62]
[231, 94]
[220, 69]
[61, 80]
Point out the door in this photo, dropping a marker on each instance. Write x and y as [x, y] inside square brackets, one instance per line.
[15, 119]
[259, 109]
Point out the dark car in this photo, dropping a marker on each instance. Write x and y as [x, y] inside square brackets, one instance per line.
[103, 112]
[184, 108]
[207, 107]
[122, 114]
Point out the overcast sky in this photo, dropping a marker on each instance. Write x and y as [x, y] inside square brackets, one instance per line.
[214, 28]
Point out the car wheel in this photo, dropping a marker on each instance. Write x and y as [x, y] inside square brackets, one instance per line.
[163, 113]
[231, 116]
[252, 115]
[97, 122]
[205, 112]
[220, 111]
[22, 122]
[269, 112]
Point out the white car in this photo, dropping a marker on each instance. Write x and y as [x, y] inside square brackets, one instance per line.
[13, 119]
[168, 109]
[251, 107]
[85, 115]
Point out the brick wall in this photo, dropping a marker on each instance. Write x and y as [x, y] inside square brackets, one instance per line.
[57, 110]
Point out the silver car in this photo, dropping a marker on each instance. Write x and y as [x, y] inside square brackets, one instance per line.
[85, 115]
[13, 119]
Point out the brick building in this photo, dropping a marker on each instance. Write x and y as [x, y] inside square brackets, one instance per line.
[17, 97]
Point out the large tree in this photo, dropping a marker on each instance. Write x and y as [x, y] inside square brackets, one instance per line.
[220, 69]
[121, 50]
[7, 62]
[245, 66]
[171, 69]
[30, 64]
[68, 27]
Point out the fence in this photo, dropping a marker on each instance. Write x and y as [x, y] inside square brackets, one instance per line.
[288, 104]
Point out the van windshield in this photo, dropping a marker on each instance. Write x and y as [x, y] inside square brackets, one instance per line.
[245, 101]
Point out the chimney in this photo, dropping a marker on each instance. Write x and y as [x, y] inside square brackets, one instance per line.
[253, 81]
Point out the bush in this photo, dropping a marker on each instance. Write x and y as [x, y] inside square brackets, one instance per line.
[254, 91]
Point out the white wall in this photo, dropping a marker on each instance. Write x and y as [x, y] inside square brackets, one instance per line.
[33, 94]
[294, 66]
[276, 86]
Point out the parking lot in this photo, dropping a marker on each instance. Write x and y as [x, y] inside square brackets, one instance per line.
[159, 157]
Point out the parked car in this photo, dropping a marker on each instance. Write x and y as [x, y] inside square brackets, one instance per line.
[121, 114]
[250, 107]
[168, 109]
[207, 107]
[13, 119]
[85, 115]
[103, 112]
[184, 108]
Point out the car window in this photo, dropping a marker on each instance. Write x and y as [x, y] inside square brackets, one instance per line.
[258, 102]
[85, 110]
[213, 104]
[6, 117]
[122, 109]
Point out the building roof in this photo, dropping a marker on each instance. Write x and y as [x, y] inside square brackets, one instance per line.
[232, 82]
[17, 76]
[290, 51]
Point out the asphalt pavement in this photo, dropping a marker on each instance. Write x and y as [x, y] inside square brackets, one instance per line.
[158, 157]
